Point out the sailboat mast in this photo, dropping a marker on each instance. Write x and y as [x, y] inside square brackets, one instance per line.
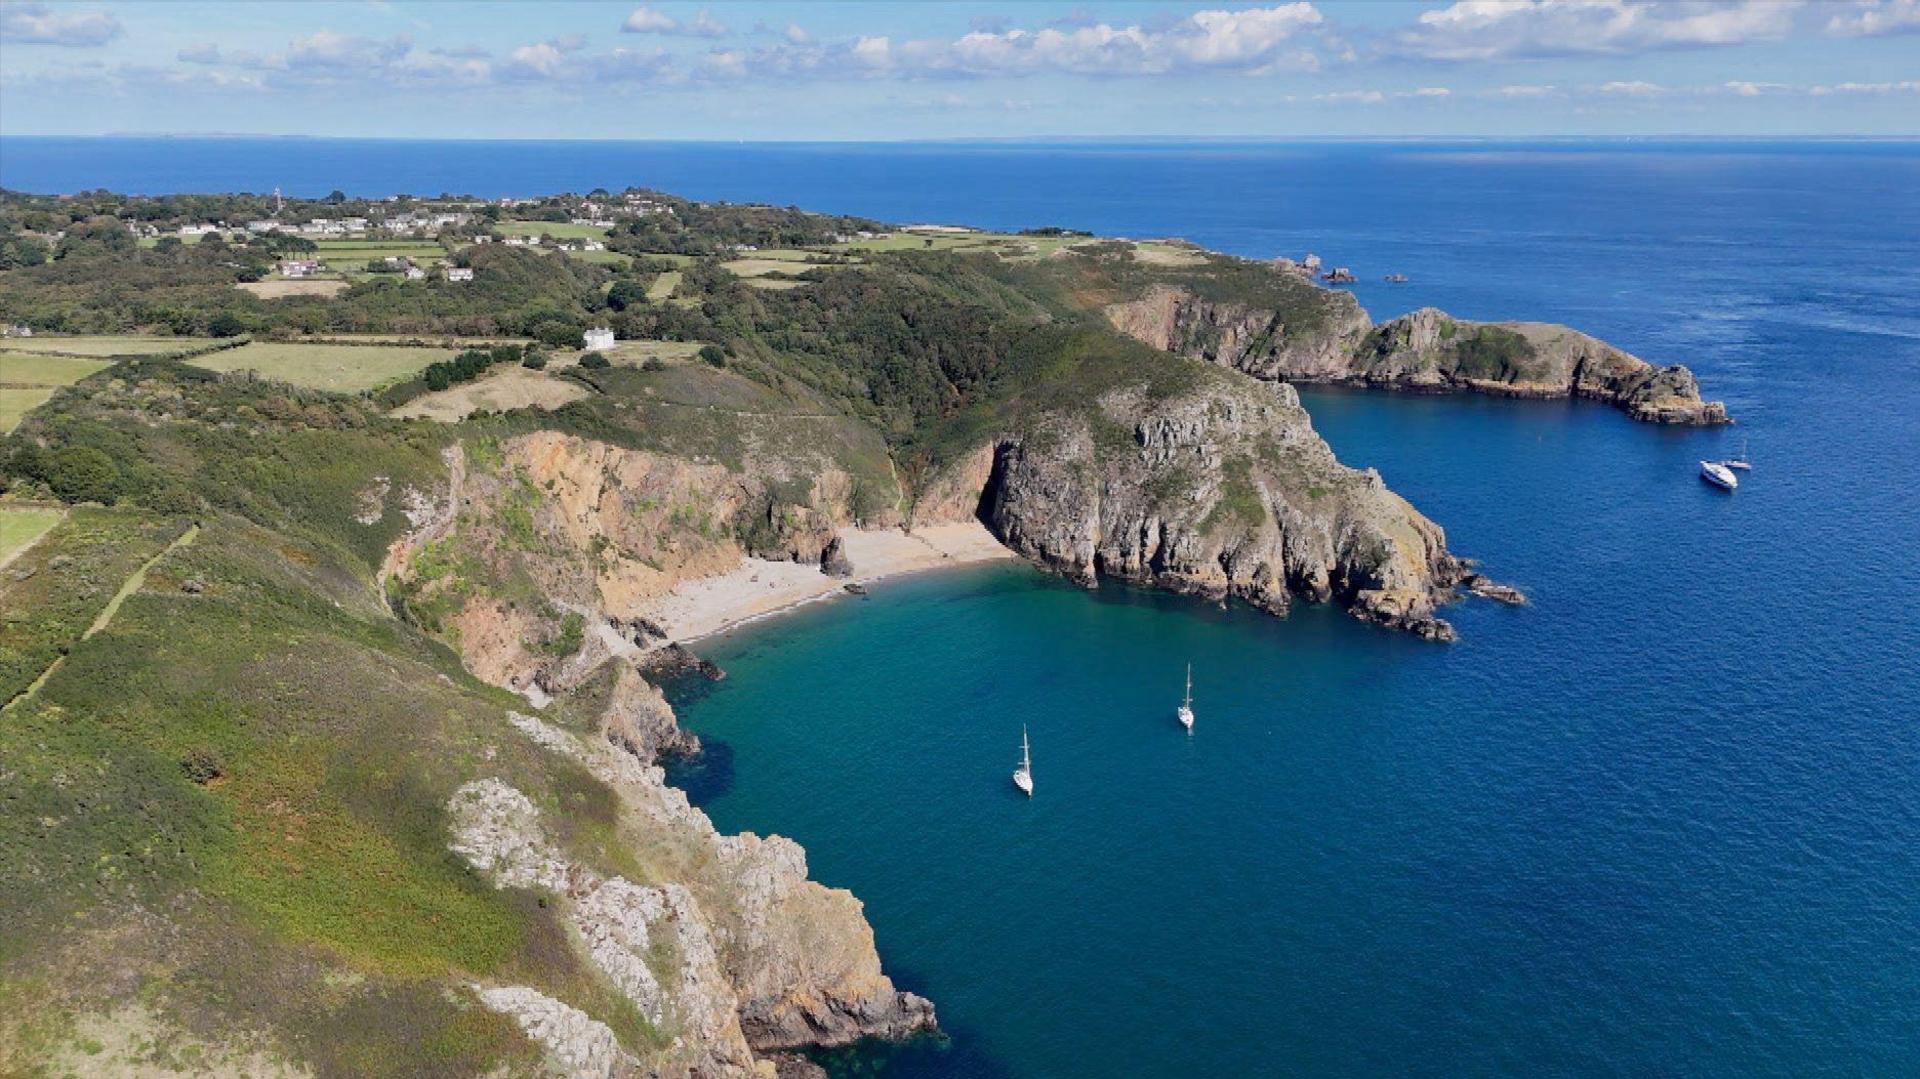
[1189, 685]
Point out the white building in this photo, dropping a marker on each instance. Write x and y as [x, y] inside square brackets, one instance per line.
[415, 273]
[598, 339]
[459, 273]
[299, 267]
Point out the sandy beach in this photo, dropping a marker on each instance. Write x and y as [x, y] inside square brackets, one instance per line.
[757, 588]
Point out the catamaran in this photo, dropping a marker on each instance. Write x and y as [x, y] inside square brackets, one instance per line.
[1186, 706]
[1023, 775]
[1719, 475]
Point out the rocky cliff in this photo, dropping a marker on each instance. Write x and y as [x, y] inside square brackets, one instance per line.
[721, 942]
[1425, 350]
[1222, 489]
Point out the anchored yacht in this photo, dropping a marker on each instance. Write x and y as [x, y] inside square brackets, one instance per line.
[1023, 775]
[1186, 706]
[1719, 475]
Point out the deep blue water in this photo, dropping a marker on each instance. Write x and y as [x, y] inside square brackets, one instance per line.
[1664, 820]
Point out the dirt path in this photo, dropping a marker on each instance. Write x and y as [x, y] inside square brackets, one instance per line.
[437, 526]
[102, 620]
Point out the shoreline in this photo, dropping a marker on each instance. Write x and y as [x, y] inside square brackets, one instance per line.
[759, 589]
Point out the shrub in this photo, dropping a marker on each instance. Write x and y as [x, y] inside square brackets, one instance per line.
[82, 474]
[536, 361]
[226, 324]
[714, 355]
[594, 361]
[202, 765]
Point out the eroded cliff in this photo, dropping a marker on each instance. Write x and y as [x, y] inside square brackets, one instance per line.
[1208, 484]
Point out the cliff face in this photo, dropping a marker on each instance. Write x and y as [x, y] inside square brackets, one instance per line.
[1225, 490]
[721, 942]
[1424, 350]
[1244, 337]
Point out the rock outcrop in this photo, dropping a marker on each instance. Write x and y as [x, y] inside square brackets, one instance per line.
[1425, 350]
[728, 950]
[1222, 491]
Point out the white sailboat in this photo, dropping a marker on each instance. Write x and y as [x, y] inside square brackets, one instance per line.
[1186, 706]
[1741, 462]
[1023, 775]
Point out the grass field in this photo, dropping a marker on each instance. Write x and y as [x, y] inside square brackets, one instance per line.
[278, 287]
[759, 267]
[102, 346]
[662, 287]
[338, 368]
[499, 390]
[559, 230]
[21, 525]
[602, 258]
[27, 379]
[635, 353]
[373, 249]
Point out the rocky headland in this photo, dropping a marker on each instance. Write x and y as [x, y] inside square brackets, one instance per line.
[1426, 350]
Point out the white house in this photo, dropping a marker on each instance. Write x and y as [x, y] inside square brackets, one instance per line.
[592, 245]
[459, 273]
[598, 339]
[415, 273]
[197, 230]
[299, 267]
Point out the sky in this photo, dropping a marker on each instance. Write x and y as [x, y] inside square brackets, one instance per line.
[986, 69]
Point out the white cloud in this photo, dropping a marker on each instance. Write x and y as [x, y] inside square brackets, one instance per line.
[1519, 29]
[336, 51]
[1633, 88]
[36, 24]
[1249, 40]
[1908, 87]
[648, 20]
[797, 34]
[1870, 18]
[1525, 90]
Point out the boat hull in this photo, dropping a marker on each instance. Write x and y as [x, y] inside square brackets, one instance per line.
[1718, 475]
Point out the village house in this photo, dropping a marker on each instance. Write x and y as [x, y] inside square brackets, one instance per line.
[592, 245]
[459, 273]
[598, 339]
[415, 273]
[19, 329]
[518, 241]
[299, 267]
[197, 230]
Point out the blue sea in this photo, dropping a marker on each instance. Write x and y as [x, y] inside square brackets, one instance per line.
[1664, 820]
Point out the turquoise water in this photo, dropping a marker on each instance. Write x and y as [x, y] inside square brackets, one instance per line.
[1665, 820]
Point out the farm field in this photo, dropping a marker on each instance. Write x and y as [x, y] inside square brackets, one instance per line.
[602, 258]
[758, 267]
[662, 287]
[415, 340]
[28, 379]
[21, 525]
[635, 353]
[275, 289]
[104, 345]
[559, 230]
[337, 368]
[507, 386]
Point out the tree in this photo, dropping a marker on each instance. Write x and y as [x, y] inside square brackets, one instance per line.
[82, 474]
[336, 196]
[19, 249]
[94, 236]
[594, 361]
[713, 355]
[226, 324]
[626, 293]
